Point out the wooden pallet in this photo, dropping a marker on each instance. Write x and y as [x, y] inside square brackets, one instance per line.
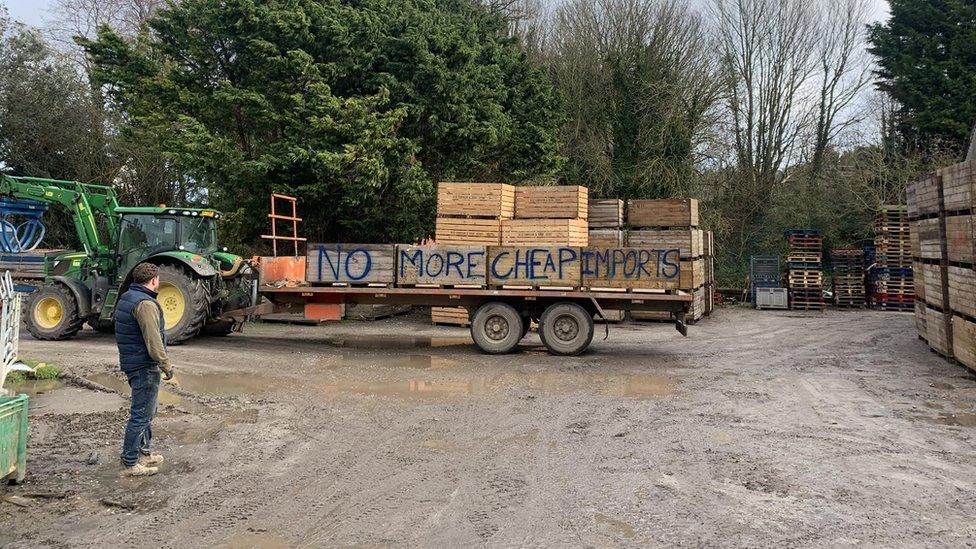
[450, 316]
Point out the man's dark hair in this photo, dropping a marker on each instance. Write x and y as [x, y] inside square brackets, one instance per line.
[144, 272]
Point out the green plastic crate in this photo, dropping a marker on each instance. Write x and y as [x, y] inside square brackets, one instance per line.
[13, 438]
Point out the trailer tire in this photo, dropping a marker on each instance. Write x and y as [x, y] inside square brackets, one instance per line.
[52, 313]
[496, 328]
[566, 329]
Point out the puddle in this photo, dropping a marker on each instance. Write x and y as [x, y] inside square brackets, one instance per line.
[616, 526]
[638, 386]
[942, 385]
[122, 386]
[417, 362]
[963, 419]
[383, 341]
[34, 387]
[189, 432]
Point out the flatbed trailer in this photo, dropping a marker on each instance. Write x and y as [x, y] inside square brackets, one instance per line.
[500, 317]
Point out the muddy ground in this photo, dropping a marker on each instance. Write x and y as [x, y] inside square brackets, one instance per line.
[760, 429]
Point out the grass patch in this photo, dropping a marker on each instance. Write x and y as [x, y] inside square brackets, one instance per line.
[15, 377]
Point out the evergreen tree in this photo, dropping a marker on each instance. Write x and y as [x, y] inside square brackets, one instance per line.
[927, 63]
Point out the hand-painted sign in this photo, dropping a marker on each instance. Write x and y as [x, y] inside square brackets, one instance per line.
[534, 266]
[351, 263]
[447, 265]
[640, 268]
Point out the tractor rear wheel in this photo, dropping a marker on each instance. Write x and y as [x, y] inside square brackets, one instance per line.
[184, 301]
[52, 313]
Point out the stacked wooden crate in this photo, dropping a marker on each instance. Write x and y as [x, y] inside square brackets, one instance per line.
[848, 273]
[893, 285]
[548, 216]
[470, 214]
[804, 261]
[606, 222]
[941, 208]
[672, 224]
[709, 255]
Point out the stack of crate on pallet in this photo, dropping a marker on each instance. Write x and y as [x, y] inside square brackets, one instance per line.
[804, 261]
[666, 225]
[941, 208]
[606, 223]
[764, 272]
[470, 214]
[548, 216]
[894, 288]
[848, 266]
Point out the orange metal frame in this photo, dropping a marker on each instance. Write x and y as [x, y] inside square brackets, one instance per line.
[275, 217]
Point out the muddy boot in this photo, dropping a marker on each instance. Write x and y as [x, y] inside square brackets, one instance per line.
[150, 460]
[138, 470]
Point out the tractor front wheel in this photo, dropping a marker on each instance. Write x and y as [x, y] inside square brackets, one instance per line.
[184, 301]
[52, 313]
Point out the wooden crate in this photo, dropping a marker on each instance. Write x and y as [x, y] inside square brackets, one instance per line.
[697, 305]
[534, 266]
[927, 191]
[606, 214]
[450, 316]
[441, 265]
[606, 238]
[355, 264]
[959, 238]
[489, 200]
[958, 183]
[929, 238]
[673, 212]
[551, 202]
[913, 240]
[460, 232]
[964, 341]
[936, 331]
[932, 276]
[920, 319]
[918, 280]
[632, 268]
[962, 290]
[544, 232]
[690, 242]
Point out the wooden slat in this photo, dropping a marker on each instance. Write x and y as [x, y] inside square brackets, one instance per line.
[350, 263]
[962, 290]
[493, 200]
[918, 280]
[551, 202]
[958, 186]
[929, 238]
[542, 232]
[674, 212]
[689, 241]
[450, 231]
[632, 268]
[964, 341]
[451, 316]
[606, 214]
[534, 266]
[441, 265]
[606, 238]
[959, 238]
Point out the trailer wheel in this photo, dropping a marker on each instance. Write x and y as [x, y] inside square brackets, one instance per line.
[496, 328]
[566, 329]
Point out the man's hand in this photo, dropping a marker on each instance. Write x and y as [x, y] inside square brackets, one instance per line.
[167, 370]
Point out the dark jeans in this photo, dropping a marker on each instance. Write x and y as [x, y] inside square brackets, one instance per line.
[138, 431]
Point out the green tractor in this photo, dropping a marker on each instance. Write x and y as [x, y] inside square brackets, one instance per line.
[203, 289]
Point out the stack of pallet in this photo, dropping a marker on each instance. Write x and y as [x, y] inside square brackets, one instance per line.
[606, 222]
[673, 224]
[891, 274]
[941, 208]
[848, 266]
[804, 261]
[470, 214]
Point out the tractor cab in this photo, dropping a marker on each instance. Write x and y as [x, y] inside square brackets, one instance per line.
[146, 232]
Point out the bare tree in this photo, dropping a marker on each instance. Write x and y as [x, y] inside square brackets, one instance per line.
[81, 18]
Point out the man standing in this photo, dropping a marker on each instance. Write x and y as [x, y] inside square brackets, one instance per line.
[139, 333]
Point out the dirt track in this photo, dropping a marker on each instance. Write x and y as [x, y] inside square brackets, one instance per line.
[761, 428]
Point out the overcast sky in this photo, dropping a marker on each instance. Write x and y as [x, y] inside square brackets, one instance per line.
[34, 12]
